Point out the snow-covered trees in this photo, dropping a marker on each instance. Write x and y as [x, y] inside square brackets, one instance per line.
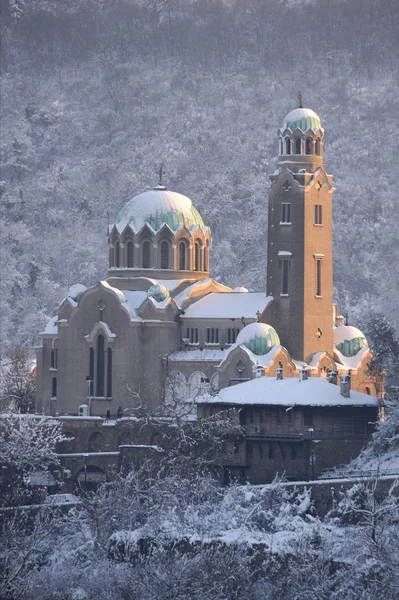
[18, 382]
[27, 446]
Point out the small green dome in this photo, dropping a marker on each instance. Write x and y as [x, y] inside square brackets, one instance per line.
[303, 119]
[157, 207]
[349, 340]
[258, 337]
[158, 292]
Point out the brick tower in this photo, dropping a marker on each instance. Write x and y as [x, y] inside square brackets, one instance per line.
[299, 261]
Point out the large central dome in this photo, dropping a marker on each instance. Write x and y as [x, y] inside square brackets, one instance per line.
[157, 207]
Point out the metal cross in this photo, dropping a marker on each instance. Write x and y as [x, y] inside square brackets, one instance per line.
[161, 172]
[300, 99]
[258, 314]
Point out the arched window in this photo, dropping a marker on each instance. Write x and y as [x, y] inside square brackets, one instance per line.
[308, 146]
[91, 372]
[54, 387]
[109, 373]
[368, 392]
[198, 256]
[146, 255]
[111, 256]
[318, 147]
[100, 366]
[117, 255]
[298, 146]
[54, 356]
[164, 255]
[287, 146]
[129, 252]
[281, 147]
[182, 256]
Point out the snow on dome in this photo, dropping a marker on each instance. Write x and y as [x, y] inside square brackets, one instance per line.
[303, 119]
[349, 340]
[156, 207]
[75, 291]
[258, 337]
[240, 288]
[158, 292]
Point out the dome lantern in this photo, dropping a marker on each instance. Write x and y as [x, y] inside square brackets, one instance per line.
[301, 139]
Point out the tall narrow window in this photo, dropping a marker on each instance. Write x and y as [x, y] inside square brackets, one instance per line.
[54, 387]
[286, 212]
[100, 366]
[117, 255]
[91, 372]
[308, 146]
[318, 214]
[212, 335]
[192, 335]
[54, 358]
[109, 373]
[164, 255]
[232, 334]
[285, 267]
[287, 146]
[298, 146]
[197, 256]
[182, 256]
[111, 256]
[318, 277]
[318, 147]
[130, 255]
[281, 147]
[146, 255]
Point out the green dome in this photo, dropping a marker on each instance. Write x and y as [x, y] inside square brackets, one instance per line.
[349, 340]
[158, 292]
[259, 338]
[303, 119]
[157, 207]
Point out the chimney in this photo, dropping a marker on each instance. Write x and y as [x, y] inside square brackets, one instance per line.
[304, 374]
[332, 377]
[339, 320]
[279, 372]
[258, 370]
[345, 386]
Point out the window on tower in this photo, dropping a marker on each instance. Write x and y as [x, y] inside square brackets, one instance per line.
[318, 214]
[318, 277]
[286, 212]
[287, 146]
[318, 147]
[285, 268]
[298, 146]
[308, 146]
[117, 255]
[182, 256]
[130, 250]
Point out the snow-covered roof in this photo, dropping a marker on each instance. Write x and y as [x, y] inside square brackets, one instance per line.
[51, 327]
[233, 305]
[315, 391]
[157, 207]
[303, 119]
[345, 333]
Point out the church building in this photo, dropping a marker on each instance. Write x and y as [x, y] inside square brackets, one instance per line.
[160, 331]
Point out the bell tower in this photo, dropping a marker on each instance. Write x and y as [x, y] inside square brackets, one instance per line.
[299, 259]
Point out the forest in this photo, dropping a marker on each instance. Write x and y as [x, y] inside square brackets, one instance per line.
[96, 94]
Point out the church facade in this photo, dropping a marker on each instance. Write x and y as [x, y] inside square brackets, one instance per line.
[160, 331]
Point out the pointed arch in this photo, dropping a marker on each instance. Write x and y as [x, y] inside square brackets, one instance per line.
[183, 266]
[287, 145]
[100, 366]
[165, 254]
[117, 255]
[308, 146]
[298, 146]
[318, 146]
